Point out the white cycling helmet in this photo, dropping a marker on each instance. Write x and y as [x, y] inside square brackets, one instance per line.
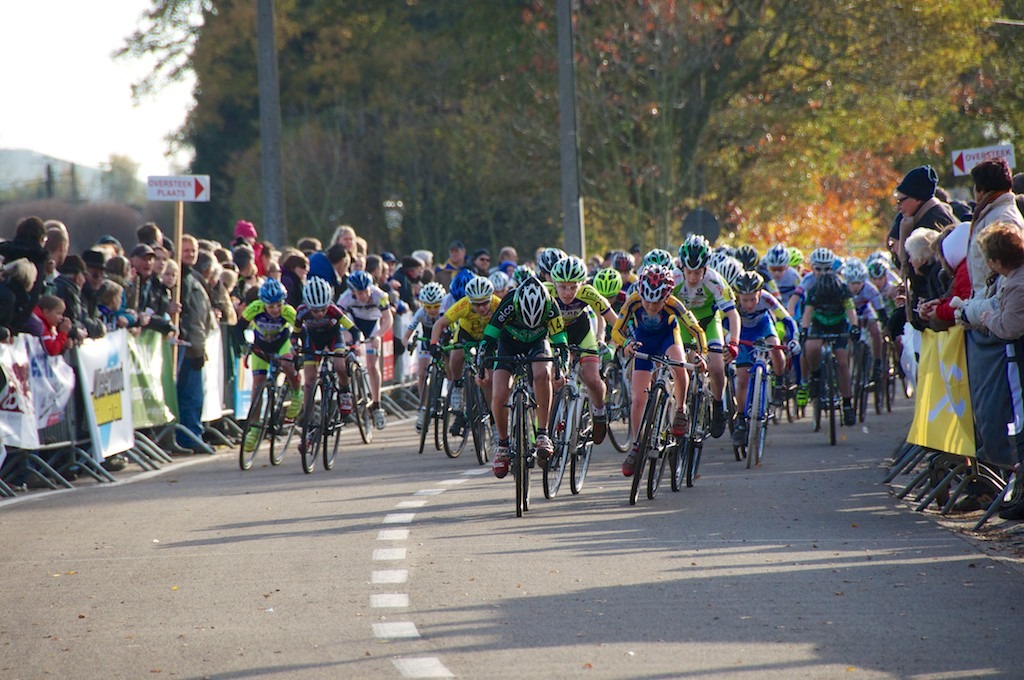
[730, 269]
[432, 293]
[822, 257]
[479, 289]
[531, 300]
[854, 271]
[317, 293]
[500, 280]
[777, 256]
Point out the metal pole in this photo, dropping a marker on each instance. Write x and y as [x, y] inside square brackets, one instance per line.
[179, 232]
[274, 227]
[572, 204]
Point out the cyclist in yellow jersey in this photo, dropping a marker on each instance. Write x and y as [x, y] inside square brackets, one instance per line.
[472, 314]
[576, 301]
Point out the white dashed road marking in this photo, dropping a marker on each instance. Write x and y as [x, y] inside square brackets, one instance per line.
[399, 517]
[411, 504]
[423, 667]
[390, 576]
[393, 535]
[391, 630]
[386, 554]
[389, 600]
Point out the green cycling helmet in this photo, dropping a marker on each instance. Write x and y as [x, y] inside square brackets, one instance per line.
[694, 252]
[569, 269]
[660, 257]
[608, 282]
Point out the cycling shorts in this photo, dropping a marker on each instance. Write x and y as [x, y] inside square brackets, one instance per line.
[327, 342]
[581, 333]
[712, 325]
[653, 343]
[818, 330]
[260, 366]
[509, 346]
[765, 328]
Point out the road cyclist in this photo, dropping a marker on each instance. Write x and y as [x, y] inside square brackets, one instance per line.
[370, 309]
[527, 323]
[651, 317]
[829, 311]
[577, 302]
[272, 320]
[430, 297]
[322, 326]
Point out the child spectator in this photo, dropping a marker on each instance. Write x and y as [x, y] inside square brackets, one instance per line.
[55, 326]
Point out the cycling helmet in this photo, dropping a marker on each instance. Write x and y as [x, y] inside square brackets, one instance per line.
[655, 283]
[569, 270]
[548, 259]
[500, 280]
[822, 257]
[608, 282]
[432, 293]
[730, 270]
[521, 273]
[659, 257]
[272, 291]
[458, 287]
[796, 257]
[748, 282]
[748, 257]
[317, 293]
[623, 262]
[479, 289]
[828, 289]
[359, 280]
[695, 252]
[777, 256]
[716, 259]
[531, 300]
[877, 268]
[854, 271]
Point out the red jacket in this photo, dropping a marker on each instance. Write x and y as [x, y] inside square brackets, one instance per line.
[961, 289]
[55, 342]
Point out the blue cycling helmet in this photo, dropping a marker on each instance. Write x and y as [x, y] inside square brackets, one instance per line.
[359, 280]
[458, 287]
[272, 291]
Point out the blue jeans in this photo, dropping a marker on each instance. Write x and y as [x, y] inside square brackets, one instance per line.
[190, 399]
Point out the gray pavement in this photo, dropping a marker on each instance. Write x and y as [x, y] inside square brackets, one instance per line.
[400, 565]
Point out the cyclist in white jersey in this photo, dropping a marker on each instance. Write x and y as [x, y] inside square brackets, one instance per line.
[370, 310]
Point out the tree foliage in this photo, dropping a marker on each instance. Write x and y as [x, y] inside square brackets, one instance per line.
[790, 119]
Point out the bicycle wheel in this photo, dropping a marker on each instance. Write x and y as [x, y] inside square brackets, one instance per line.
[831, 389]
[583, 447]
[758, 419]
[454, 443]
[564, 440]
[280, 429]
[480, 425]
[437, 418]
[663, 442]
[731, 407]
[256, 421]
[677, 456]
[648, 423]
[330, 426]
[361, 404]
[312, 427]
[519, 446]
[617, 407]
[427, 405]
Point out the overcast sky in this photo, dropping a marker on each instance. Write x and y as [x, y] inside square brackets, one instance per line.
[63, 94]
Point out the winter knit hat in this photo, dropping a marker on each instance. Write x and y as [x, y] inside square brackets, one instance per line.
[919, 183]
[954, 244]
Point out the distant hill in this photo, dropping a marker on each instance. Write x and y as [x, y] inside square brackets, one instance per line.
[22, 171]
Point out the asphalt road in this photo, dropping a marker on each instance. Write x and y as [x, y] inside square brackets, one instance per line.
[400, 565]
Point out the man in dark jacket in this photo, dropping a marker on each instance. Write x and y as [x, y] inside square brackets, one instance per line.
[147, 295]
[196, 324]
[69, 289]
[29, 237]
[406, 280]
[916, 202]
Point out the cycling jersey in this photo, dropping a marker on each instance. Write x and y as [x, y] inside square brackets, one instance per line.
[507, 320]
[323, 333]
[868, 302]
[671, 315]
[470, 324]
[805, 286]
[426, 323]
[366, 315]
[711, 294]
[787, 283]
[830, 313]
[270, 330]
[768, 307]
[586, 298]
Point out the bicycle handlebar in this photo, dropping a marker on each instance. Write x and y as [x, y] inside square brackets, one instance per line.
[662, 359]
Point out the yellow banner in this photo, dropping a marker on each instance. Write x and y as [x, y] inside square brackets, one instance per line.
[943, 419]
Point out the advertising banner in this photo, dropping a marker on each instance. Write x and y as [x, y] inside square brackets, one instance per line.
[149, 407]
[943, 419]
[243, 388]
[213, 378]
[17, 412]
[104, 374]
[51, 383]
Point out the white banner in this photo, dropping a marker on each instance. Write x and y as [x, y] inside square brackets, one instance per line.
[17, 413]
[51, 382]
[213, 378]
[243, 388]
[103, 366]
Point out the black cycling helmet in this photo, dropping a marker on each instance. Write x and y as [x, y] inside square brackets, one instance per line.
[748, 257]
